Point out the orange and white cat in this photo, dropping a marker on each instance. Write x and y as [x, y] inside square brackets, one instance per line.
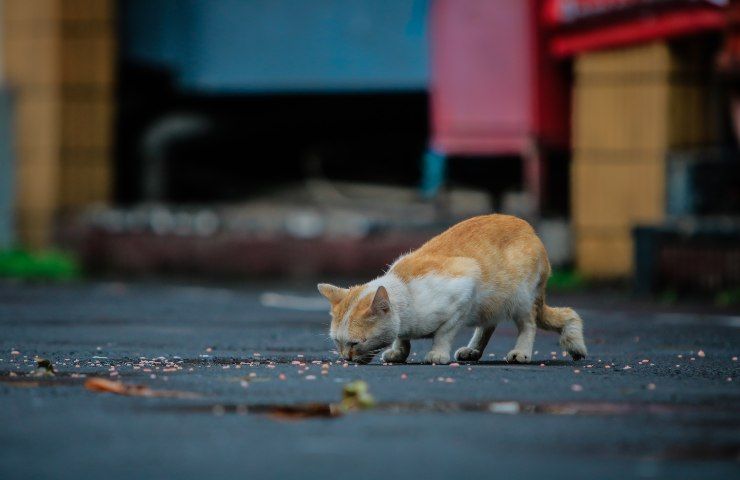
[478, 273]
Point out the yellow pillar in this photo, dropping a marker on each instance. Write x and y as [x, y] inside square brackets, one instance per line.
[631, 107]
[59, 62]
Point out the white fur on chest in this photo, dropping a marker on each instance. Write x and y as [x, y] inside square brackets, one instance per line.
[436, 299]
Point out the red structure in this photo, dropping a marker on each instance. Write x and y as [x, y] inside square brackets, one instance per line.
[498, 83]
[494, 88]
[585, 25]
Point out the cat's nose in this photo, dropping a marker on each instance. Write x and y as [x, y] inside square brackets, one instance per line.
[343, 352]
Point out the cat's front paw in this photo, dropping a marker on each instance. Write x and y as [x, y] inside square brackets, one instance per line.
[467, 354]
[440, 358]
[517, 356]
[394, 356]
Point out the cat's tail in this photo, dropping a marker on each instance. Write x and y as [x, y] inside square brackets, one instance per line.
[567, 323]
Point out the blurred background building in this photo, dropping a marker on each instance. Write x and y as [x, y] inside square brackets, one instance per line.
[255, 137]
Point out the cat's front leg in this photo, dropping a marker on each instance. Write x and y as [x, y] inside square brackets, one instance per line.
[442, 343]
[398, 353]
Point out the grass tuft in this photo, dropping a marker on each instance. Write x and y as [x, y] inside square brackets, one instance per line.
[47, 265]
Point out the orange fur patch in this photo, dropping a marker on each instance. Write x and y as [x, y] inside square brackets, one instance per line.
[500, 245]
[361, 319]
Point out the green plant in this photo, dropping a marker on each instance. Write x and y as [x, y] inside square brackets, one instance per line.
[47, 265]
[726, 298]
[566, 280]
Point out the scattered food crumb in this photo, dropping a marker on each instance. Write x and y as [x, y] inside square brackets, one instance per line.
[700, 354]
[576, 388]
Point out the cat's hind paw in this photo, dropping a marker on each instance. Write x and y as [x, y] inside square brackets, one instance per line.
[439, 358]
[394, 356]
[517, 356]
[467, 354]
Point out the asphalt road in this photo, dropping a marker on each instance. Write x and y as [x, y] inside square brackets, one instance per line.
[657, 398]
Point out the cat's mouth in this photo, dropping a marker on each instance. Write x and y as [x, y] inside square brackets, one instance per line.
[362, 354]
[363, 359]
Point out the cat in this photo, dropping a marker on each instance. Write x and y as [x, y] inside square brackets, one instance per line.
[477, 273]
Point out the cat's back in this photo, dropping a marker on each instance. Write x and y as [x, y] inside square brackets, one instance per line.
[483, 233]
[491, 241]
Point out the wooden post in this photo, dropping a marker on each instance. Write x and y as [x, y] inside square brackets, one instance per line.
[59, 57]
[631, 107]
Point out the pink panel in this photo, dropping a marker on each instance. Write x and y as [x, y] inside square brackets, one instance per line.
[482, 76]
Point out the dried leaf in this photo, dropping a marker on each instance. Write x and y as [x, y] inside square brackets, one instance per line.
[102, 385]
[44, 368]
[355, 396]
[300, 412]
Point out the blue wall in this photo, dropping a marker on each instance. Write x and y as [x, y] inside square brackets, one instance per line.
[227, 46]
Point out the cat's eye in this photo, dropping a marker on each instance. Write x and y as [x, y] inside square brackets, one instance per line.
[352, 344]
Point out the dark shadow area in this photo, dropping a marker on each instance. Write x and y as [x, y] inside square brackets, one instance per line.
[232, 147]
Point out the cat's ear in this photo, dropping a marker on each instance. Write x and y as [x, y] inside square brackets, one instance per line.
[332, 293]
[381, 303]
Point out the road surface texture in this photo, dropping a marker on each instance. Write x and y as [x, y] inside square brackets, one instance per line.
[658, 396]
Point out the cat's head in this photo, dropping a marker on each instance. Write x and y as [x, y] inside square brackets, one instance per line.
[363, 321]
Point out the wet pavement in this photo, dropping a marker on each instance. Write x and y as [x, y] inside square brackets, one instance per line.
[236, 382]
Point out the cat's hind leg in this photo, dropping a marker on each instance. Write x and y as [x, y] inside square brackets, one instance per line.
[398, 353]
[477, 344]
[525, 323]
